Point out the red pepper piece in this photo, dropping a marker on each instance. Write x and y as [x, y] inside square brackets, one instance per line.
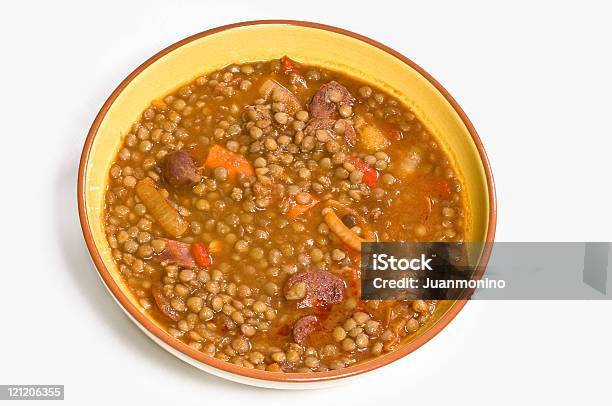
[289, 65]
[370, 175]
[392, 132]
[201, 255]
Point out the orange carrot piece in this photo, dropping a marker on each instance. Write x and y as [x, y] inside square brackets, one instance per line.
[234, 163]
[298, 209]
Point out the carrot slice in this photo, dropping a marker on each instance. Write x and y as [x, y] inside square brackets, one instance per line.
[298, 209]
[234, 163]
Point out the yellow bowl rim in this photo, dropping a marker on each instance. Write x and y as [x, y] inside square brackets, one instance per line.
[178, 345]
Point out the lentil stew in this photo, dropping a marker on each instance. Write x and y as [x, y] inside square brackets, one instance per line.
[237, 204]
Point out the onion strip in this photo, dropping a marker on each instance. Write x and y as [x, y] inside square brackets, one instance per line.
[345, 234]
[170, 220]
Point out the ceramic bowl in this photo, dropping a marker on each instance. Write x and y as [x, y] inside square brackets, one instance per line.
[309, 43]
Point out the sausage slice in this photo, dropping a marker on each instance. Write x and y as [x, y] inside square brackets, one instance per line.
[350, 136]
[319, 124]
[330, 95]
[180, 169]
[322, 288]
[163, 304]
[279, 93]
[304, 327]
[177, 253]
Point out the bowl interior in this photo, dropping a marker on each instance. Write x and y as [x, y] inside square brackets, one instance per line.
[332, 50]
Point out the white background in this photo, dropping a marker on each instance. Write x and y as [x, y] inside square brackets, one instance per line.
[533, 78]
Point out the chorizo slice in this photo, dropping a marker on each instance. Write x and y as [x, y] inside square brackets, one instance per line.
[304, 327]
[279, 93]
[180, 169]
[319, 124]
[318, 288]
[163, 303]
[177, 253]
[325, 101]
[350, 135]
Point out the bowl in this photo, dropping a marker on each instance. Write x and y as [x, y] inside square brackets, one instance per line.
[309, 43]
